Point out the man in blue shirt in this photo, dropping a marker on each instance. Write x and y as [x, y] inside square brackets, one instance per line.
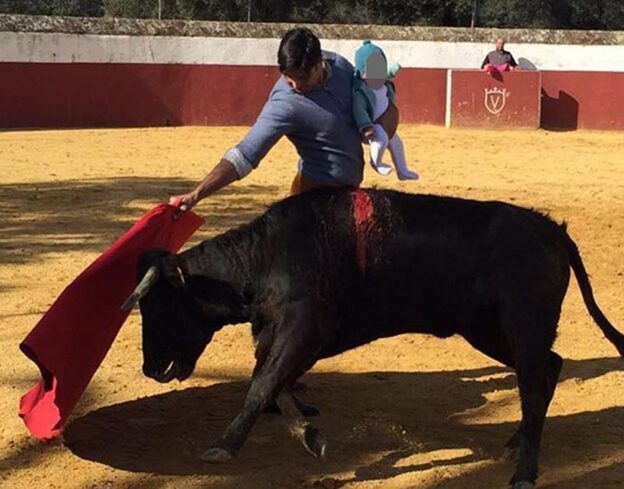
[311, 105]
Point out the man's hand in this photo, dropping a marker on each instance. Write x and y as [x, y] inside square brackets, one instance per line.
[368, 133]
[184, 202]
[221, 175]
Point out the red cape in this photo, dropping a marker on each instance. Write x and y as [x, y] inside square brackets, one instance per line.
[70, 341]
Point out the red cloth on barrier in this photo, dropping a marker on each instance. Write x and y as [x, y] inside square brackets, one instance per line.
[70, 341]
[490, 68]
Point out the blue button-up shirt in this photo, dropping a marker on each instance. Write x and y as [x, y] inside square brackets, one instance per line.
[320, 125]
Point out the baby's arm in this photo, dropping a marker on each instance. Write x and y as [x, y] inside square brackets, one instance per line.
[361, 116]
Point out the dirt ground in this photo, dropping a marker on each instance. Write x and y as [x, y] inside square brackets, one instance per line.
[410, 411]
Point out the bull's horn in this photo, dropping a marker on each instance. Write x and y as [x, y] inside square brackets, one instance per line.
[146, 283]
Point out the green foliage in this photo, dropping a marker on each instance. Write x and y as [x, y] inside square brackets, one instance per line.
[358, 12]
[597, 14]
[552, 14]
[131, 8]
[87, 8]
[232, 10]
[515, 13]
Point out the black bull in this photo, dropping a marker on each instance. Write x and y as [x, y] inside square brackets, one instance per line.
[330, 270]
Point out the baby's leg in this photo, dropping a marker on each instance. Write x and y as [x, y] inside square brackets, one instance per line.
[395, 145]
[378, 145]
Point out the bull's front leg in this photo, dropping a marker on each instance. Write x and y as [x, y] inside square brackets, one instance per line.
[290, 352]
[312, 438]
[263, 347]
[305, 409]
[261, 393]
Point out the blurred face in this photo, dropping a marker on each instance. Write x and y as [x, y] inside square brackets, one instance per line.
[376, 71]
[500, 44]
[304, 81]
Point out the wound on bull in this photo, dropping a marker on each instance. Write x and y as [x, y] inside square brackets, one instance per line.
[364, 220]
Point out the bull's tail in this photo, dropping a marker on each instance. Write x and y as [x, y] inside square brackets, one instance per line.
[612, 334]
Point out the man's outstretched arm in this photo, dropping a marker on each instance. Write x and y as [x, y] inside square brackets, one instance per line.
[220, 176]
[275, 120]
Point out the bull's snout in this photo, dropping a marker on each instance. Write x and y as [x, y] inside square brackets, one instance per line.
[165, 372]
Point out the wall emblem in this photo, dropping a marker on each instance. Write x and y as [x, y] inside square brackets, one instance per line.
[495, 99]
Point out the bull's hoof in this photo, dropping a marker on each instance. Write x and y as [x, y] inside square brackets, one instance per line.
[522, 485]
[217, 455]
[314, 441]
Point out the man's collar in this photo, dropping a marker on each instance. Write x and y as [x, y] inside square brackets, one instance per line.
[328, 72]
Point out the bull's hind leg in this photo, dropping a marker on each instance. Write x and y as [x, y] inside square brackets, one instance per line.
[488, 337]
[537, 369]
[491, 340]
[289, 354]
[514, 447]
[312, 439]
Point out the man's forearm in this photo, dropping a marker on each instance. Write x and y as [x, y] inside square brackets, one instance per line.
[220, 176]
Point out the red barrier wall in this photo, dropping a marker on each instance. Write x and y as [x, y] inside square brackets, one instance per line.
[510, 99]
[111, 94]
[103, 94]
[583, 100]
[421, 95]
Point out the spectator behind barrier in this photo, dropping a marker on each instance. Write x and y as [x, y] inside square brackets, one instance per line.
[499, 60]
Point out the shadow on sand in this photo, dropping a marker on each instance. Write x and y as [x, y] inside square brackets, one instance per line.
[380, 425]
[78, 215]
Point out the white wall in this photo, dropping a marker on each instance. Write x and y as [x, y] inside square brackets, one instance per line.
[81, 48]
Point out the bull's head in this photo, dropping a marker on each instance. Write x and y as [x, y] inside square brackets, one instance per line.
[180, 316]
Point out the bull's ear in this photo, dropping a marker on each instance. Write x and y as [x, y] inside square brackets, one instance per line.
[168, 264]
[152, 258]
[173, 272]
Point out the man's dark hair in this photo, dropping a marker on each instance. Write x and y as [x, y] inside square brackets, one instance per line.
[299, 51]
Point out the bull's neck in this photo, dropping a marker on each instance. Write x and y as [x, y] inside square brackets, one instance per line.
[228, 258]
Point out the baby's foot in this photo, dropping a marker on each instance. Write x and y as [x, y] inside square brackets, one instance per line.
[407, 175]
[382, 168]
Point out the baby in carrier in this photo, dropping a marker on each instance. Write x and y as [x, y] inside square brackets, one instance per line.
[373, 92]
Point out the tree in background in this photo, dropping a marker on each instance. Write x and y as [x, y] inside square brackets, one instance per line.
[551, 14]
[517, 13]
[90, 8]
[130, 8]
[145, 9]
[597, 14]
[230, 10]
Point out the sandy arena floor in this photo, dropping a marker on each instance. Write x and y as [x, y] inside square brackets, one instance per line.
[406, 412]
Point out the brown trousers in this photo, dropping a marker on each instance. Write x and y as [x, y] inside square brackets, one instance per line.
[302, 184]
